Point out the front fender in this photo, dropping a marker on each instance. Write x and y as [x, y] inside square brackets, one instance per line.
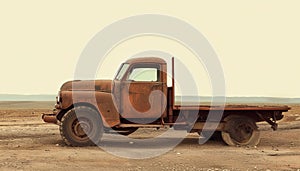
[103, 102]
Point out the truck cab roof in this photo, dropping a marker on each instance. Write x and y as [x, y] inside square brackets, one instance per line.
[146, 60]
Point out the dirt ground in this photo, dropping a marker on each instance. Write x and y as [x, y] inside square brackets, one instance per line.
[26, 143]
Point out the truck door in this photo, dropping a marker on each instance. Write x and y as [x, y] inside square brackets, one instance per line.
[141, 92]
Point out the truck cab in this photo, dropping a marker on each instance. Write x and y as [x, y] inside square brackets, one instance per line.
[140, 89]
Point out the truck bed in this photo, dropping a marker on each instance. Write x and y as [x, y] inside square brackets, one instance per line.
[195, 106]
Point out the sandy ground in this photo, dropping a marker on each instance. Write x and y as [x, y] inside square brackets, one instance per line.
[26, 143]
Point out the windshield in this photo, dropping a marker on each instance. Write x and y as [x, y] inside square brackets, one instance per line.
[122, 71]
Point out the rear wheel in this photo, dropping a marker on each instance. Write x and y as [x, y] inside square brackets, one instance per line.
[81, 126]
[240, 130]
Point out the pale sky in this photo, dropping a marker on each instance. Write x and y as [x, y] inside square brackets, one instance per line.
[257, 42]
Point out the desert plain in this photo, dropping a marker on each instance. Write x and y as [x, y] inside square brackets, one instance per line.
[27, 143]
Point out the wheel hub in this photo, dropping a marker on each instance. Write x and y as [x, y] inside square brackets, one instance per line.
[242, 133]
[82, 128]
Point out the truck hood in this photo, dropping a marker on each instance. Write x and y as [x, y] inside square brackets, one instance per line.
[87, 85]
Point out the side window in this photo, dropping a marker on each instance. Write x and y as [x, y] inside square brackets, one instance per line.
[144, 74]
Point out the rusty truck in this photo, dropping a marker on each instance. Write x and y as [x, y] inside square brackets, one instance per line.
[86, 109]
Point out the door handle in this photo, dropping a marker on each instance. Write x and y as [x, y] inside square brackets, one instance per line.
[156, 85]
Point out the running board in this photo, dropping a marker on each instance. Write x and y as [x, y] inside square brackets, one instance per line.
[199, 125]
[140, 126]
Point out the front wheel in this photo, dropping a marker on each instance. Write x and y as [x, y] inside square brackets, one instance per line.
[81, 126]
[240, 130]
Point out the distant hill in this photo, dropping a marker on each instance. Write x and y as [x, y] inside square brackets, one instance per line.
[27, 105]
[17, 97]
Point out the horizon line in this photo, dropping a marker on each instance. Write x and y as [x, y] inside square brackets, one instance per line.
[248, 96]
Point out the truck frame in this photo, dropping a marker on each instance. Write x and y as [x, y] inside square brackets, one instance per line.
[139, 97]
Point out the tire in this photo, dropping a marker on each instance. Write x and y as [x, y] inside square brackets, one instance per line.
[81, 126]
[240, 131]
